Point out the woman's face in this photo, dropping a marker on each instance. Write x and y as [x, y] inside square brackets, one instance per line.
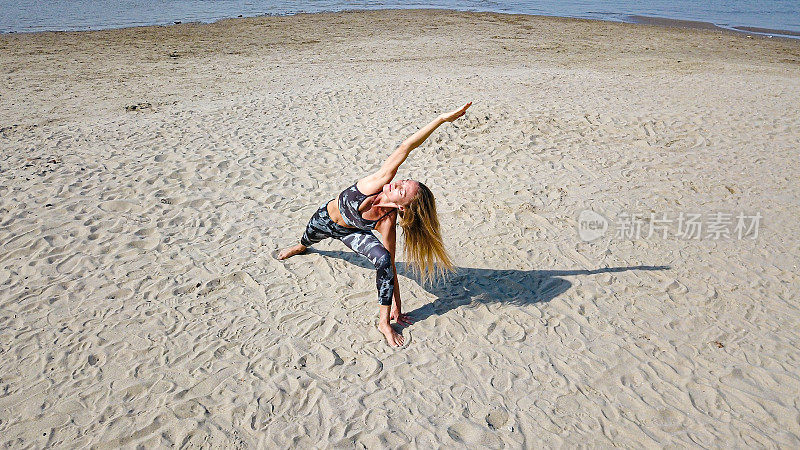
[401, 191]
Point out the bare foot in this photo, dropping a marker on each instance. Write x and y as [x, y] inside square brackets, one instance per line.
[393, 338]
[288, 252]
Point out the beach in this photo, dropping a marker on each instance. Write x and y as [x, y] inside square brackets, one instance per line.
[149, 173]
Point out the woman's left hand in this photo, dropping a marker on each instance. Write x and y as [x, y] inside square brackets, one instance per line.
[453, 115]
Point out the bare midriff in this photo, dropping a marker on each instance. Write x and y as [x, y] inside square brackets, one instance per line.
[335, 215]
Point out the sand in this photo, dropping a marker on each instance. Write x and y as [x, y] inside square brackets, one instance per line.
[148, 173]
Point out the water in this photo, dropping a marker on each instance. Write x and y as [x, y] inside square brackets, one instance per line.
[71, 15]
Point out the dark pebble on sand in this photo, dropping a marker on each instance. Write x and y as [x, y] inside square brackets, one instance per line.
[138, 106]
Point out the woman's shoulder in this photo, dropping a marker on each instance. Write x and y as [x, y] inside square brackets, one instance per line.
[392, 215]
[388, 217]
[371, 183]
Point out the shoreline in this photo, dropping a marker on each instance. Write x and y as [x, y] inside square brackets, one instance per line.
[628, 18]
[241, 40]
[700, 25]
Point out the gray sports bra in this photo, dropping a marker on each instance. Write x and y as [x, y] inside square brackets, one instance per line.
[349, 201]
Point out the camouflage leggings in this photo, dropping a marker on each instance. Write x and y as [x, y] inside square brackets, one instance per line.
[360, 241]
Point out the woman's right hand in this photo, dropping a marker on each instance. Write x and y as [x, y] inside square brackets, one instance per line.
[453, 115]
[402, 319]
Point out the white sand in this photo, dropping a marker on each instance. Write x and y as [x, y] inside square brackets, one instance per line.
[139, 304]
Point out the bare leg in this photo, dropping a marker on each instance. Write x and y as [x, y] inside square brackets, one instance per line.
[393, 338]
[288, 252]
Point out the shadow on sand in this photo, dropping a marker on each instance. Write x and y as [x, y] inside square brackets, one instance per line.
[468, 284]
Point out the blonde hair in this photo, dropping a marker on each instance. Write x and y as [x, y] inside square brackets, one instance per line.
[422, 239]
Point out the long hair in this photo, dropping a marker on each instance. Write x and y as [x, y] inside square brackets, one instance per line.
[423, 241]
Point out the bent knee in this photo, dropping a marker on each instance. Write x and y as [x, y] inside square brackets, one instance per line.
[382, 259]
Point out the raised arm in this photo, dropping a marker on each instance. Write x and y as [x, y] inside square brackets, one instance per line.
[389, 168]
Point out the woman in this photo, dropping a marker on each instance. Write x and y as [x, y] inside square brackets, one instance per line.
[354, 214]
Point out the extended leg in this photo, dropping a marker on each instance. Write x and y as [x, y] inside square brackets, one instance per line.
[317, 229]
[288, 252]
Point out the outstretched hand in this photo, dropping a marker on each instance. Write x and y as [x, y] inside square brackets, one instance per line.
[453, 115]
